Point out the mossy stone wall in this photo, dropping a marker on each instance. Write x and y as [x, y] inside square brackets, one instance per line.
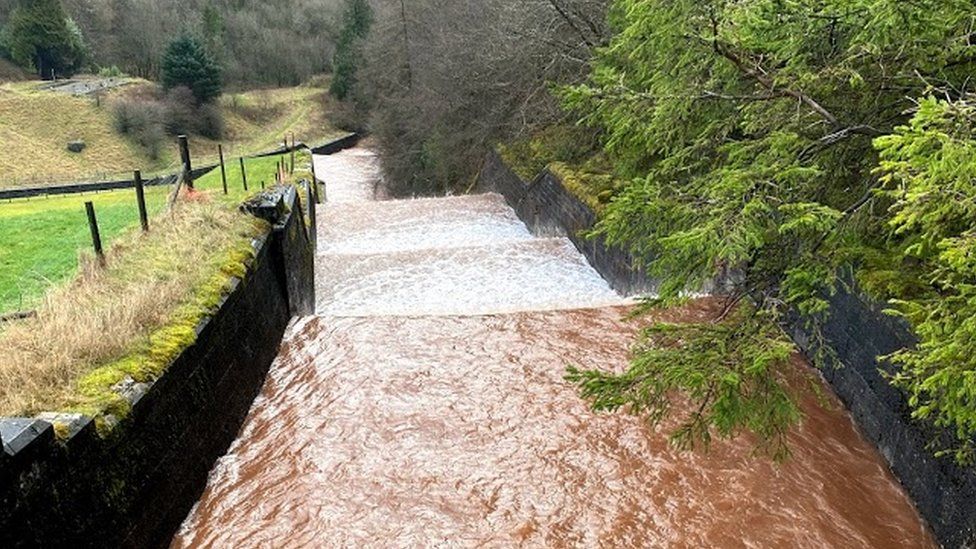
[135, 486]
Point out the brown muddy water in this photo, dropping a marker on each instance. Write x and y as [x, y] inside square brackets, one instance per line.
[425, 406]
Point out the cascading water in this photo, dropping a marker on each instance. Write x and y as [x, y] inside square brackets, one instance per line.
[424, 405]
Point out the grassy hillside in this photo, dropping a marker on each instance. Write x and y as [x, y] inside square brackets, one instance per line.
[36, 125]
[40, 239]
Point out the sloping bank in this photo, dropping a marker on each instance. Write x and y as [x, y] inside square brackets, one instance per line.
[944, 493]
[133, 486]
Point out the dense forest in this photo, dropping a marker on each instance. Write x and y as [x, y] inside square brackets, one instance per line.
[257, 43]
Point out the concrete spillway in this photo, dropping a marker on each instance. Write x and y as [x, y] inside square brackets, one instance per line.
[424, 405]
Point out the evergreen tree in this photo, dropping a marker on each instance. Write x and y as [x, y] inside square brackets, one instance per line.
[187, 63]
[357, 20]
[750, 134]
[40, 36]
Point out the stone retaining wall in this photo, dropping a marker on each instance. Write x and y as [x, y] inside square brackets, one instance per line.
[134, 487]
[548, 208]
[336, 145]
[858, 333]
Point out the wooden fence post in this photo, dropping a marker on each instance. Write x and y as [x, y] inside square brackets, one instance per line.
[223, 170]
[243, 174]
[141, 199]
[185, 159]
[292, 153]
[96, 237]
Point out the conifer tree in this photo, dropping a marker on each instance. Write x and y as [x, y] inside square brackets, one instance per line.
[749, 135]
[187, 63]
[41, 37]
[357, 20]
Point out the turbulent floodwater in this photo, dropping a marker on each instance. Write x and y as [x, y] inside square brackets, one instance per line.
[424, 405]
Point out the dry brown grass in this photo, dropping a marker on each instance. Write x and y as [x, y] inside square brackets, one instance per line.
[128, 319]
[36, 125]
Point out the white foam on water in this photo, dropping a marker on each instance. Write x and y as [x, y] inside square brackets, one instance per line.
[534, 275]
[402, 225]
[352, 175]
[466, 255]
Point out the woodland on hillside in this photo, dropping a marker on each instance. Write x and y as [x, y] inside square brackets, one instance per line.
[439, 81]
[183, 57]
[257, 43]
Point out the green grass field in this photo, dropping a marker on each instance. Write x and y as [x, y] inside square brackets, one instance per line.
[41, 239]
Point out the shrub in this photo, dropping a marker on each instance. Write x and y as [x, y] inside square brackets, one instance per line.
[185, 116]
[152, 138]
[346, 116]
[111, 72]
[180, 105]
[143, 122]
[132, 116]
[210, 121]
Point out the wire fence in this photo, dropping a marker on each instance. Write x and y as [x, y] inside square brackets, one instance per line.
[44, 239]
[203, 156]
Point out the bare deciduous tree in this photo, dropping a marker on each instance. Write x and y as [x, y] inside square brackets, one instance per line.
[445, 79]
[258, 43]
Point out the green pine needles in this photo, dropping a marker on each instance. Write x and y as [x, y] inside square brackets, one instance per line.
[735, 373]
[928, 168]
[356, 22]
[41, 37]
[187, 63]
[782, 140]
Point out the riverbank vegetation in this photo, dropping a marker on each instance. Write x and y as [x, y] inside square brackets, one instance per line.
[772, 145]
[787, 142]
[436, 83]
[125, 322]
[41, 239]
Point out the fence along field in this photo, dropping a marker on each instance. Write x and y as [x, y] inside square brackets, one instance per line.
[36, 123]
[43, 240]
